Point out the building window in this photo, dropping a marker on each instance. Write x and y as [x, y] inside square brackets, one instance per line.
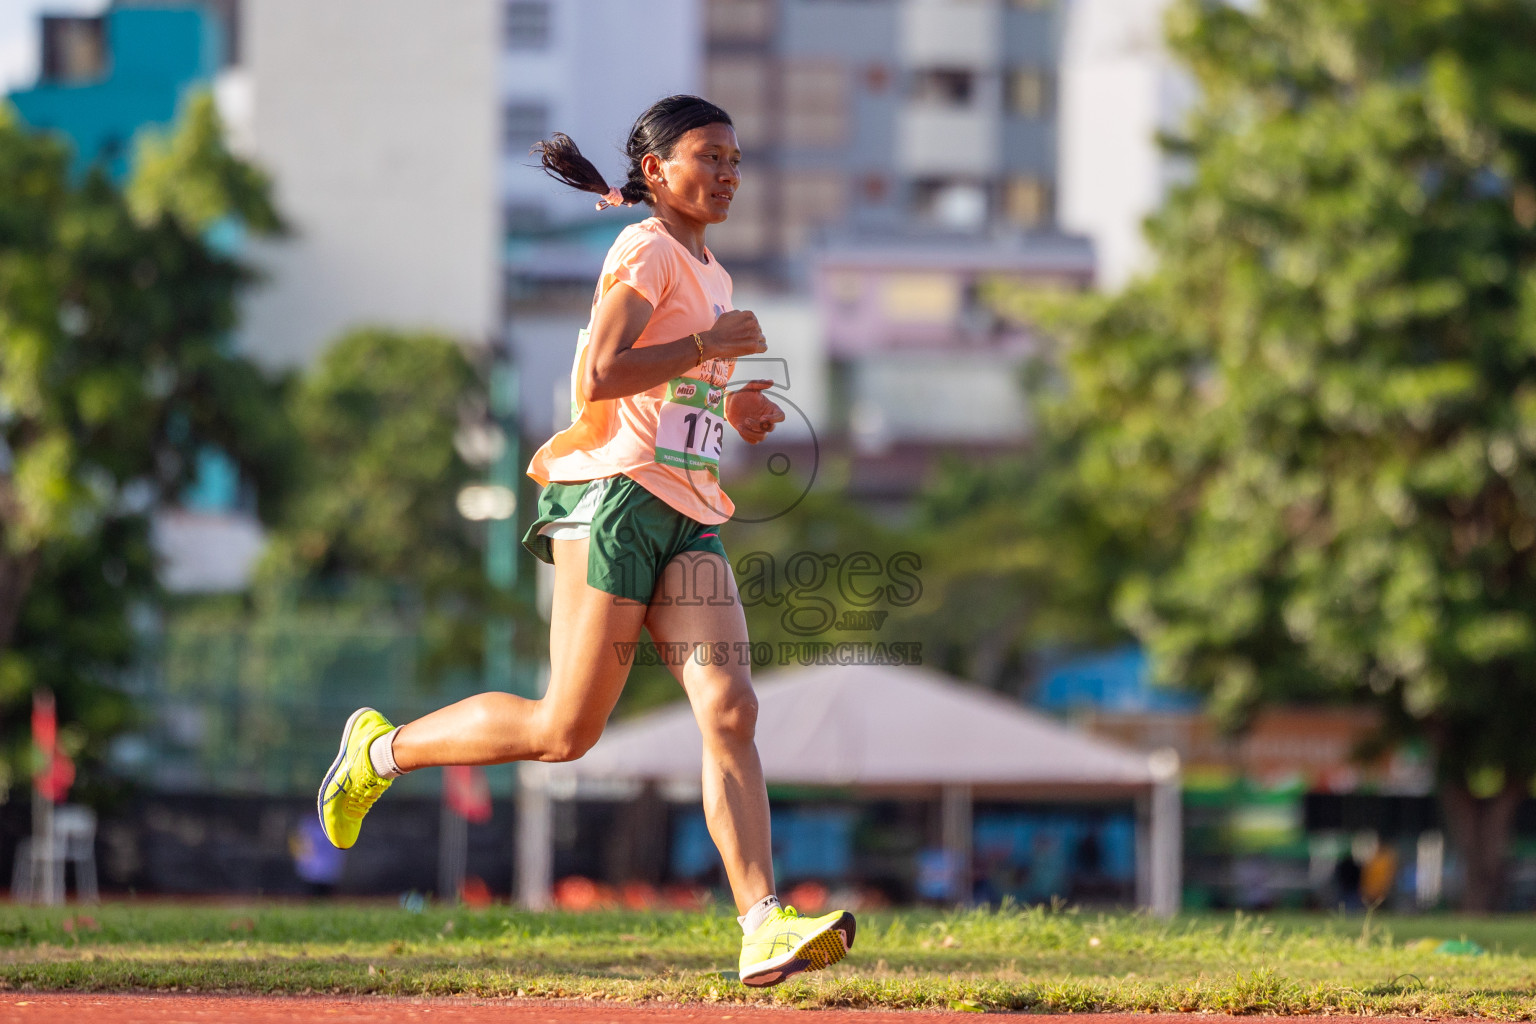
[1029, 93]
[738, 21]
[528, 24]
[816, 195]
[74, 49]
[739, 84]
[816, 105]
[813, 201]
[955, 204]
[523, 124]
[1026, 201]
[925, 298]
[748, 234]
[945, 87]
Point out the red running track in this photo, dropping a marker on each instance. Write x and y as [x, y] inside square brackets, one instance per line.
[87, 1008]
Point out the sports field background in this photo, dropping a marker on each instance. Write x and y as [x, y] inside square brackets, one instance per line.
[1035, 959]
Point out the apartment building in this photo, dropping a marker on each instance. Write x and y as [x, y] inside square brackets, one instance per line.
[864, 114]
[920, 365]
[884, 115]
[899, 154]
[377, 120]
[1120, 88]
[586, 68]
[101, 78]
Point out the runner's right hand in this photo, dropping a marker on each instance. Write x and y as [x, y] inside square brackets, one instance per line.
[735, 334]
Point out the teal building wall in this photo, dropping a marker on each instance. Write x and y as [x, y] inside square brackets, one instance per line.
[154, 55]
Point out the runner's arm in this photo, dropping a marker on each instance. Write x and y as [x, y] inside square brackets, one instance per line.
[614, 367]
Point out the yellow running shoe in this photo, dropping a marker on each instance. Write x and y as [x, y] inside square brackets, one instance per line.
[351, 786]
[787, 944]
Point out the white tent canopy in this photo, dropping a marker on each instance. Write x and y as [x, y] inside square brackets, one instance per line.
[874, 725]
[882, 727]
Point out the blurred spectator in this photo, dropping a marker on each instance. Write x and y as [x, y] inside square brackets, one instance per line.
[317, 863]
[1346, 877]
[1254, 892]
[1378, 874]
[1048, 869]
[1088, 856]
[936, 873]
[1088, 879]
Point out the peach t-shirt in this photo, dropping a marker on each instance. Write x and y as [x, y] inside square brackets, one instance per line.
[666, 439]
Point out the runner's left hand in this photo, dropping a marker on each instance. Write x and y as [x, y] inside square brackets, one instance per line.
[751, 412]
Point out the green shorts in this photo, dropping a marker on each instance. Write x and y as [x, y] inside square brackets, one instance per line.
[634, 534]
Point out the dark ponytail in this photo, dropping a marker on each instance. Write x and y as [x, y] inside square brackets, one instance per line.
[655, 131]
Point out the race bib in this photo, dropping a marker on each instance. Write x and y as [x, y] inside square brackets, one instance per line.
[691, 429]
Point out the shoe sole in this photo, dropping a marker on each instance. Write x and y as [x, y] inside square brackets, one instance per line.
[341, 754]
[823, 949]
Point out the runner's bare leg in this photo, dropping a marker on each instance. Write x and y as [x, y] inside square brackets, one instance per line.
[586, 632]
[735, 796]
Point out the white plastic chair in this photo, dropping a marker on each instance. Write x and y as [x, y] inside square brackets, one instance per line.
[74, 841]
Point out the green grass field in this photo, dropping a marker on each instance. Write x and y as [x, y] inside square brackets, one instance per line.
[1033, 959]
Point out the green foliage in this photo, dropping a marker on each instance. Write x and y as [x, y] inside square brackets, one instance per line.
[115, 373]
[1316, 417]
[190, 175]
[1325, 386]
[997, 596]
[373, 498]
[377, 416]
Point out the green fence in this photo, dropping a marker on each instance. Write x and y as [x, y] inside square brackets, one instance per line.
[259, 710]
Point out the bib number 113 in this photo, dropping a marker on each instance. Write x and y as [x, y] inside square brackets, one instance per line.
[691, 428]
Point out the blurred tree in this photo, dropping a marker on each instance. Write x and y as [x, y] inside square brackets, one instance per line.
[114, 374]
[1315, 419]
[188, 173]
[996, 597]
[372, 513]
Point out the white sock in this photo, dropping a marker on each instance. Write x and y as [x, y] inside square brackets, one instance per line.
[753, 919]
[382, 753]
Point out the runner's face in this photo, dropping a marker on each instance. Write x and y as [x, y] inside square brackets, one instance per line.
[699, 179]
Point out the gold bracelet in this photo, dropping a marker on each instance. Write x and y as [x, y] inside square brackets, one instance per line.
[699, 342]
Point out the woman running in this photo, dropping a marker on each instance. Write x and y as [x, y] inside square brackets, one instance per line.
[628, 517]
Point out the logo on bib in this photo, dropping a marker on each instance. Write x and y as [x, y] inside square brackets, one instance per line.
[715, 395]
[688, 391]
